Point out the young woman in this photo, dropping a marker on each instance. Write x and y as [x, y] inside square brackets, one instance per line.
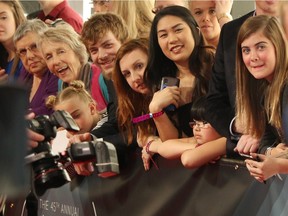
[133, 95]
[11, 16]
[177, 50]
[261, 96]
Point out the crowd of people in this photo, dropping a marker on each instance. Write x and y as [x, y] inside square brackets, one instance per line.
[107, 73]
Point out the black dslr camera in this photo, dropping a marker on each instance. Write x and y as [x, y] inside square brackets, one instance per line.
[48, 171]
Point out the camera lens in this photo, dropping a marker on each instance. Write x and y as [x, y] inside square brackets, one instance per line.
[48, 173]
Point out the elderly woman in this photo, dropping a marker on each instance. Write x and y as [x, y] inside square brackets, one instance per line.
[66, 57]
[41, 82]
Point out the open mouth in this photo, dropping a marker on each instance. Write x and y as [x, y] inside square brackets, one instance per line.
[62, 69]
[176, 49]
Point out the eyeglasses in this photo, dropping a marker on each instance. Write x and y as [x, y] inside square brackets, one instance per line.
[32, 48]
[199, 124]
[101, 3]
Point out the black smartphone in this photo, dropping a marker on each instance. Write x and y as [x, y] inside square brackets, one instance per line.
[169, 81]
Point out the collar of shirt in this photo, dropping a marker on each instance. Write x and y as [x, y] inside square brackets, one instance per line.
[54, 14]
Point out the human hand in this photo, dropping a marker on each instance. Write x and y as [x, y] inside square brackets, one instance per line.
[85, 169]
[33, 137]
[146, 157]
[163, 98]
[223, 6]
[82, 168]
[279, 150]
[79, 138]
[146, 153]
[247, 144]
[263, 168]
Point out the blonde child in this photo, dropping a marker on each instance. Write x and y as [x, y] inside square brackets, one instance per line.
[79, 103]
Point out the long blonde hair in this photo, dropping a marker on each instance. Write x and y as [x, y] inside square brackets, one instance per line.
[258, 101]
[137, 15]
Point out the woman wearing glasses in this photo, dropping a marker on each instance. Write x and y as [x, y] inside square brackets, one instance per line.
[41, 82]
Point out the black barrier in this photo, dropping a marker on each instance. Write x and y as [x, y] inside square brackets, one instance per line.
[220, 189]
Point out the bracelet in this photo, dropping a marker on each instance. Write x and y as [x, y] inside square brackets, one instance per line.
[148, 146]
[146, 117]
[226, 15]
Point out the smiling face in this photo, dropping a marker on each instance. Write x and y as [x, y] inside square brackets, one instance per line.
[132, 67]
[7, 23]
[259, 56]
[205, 16]
[103, 53]
[61, 60]
[175, 39]
[30, 55]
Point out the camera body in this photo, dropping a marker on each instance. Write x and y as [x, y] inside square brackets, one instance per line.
[48, 171]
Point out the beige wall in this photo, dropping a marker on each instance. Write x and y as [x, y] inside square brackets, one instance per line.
[242, 7]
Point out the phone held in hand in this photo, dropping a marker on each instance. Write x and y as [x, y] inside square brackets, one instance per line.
[169, 81]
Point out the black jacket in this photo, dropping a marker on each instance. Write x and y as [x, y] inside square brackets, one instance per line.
[222, 87]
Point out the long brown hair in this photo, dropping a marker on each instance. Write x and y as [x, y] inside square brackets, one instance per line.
[19, 17]
[131, 103]
[258, 101]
